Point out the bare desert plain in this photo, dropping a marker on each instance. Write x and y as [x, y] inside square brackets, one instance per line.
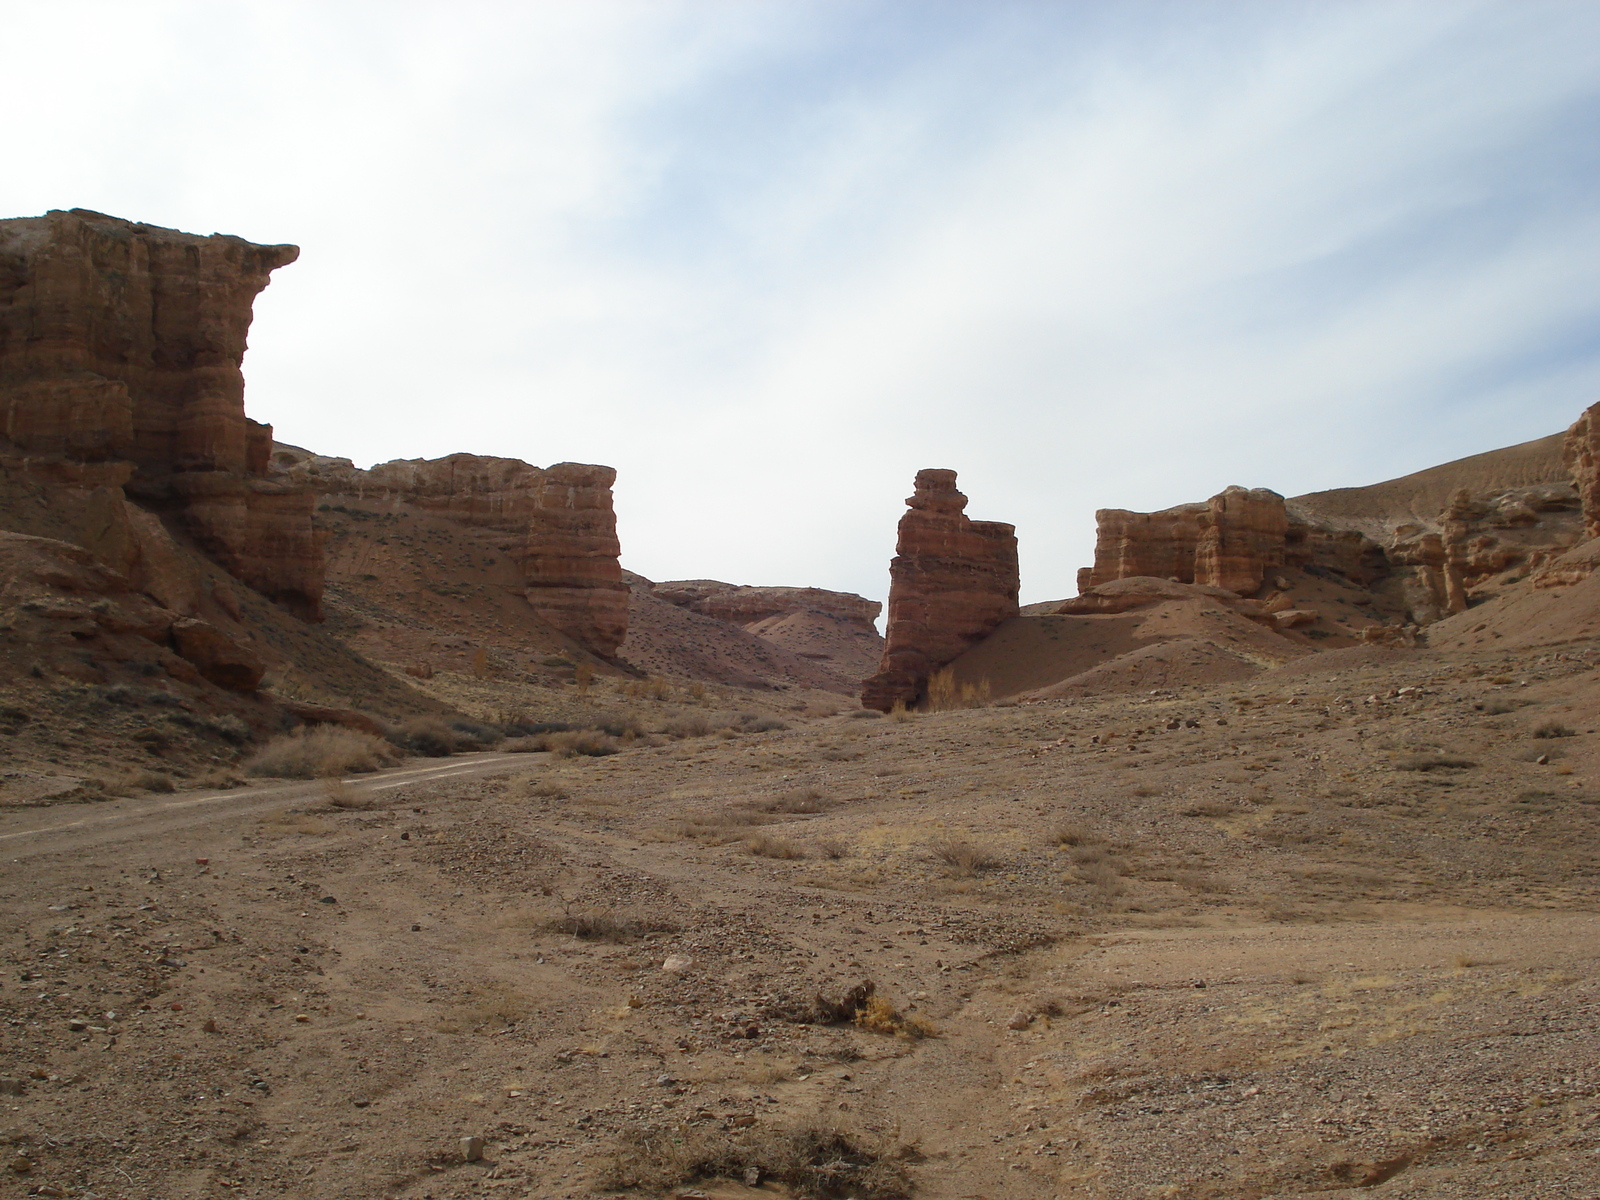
[1331, 929]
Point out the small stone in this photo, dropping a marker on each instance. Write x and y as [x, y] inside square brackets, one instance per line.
[1020, 1021]
[677, 964]
[1543, 760]
[665, 1081]
[302, 1018]
[77, 1026]
[21, 1164]
[210, 1026]
[752, 1176]
[327, 900]
[416, 929]
[202, 862]
[472, 1148]
[362, 1103]
[744, 1122]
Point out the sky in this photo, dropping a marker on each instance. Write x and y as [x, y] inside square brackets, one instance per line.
[768, 258]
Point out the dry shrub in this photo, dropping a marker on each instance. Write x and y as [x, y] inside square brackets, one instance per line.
[865, 714]
[598, 923]
[689, 725]
[961, 857]
[340, 794]
[548, 790]
[812, 1162]
[1102, 876]
[1554, 729]
[1433, 762]
[879, 1016]
[832, 848]
[590, 743]
[899, 712]
[946, 695]
[152, 781]
[429, 736]
[765, 846]
[651, 687]
[320, 751]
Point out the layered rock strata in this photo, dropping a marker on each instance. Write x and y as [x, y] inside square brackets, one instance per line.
[1580, 452]
[120, 353]
[557, 524]
[742, 605]
[953, 581]
[1230, 542]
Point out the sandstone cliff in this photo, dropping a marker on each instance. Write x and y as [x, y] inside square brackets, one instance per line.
[1580, 452]
[550, 533]
[1230, 542]
[953, 581]
[120, 352]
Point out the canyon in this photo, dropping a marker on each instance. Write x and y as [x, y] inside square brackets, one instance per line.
[1261, 867]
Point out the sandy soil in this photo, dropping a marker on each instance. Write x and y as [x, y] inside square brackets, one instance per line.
[1334, 931]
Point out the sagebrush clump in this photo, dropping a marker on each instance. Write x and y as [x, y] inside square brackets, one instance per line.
[320, 751]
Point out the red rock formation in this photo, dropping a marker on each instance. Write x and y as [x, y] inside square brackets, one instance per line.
[1242, 533]
[1228, 542]
[747, 605]
[122, 342]
[1580, 454]
[557, 523]
[1158, 545]
[953, 581]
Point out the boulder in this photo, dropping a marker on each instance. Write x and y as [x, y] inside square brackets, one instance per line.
[218, 657]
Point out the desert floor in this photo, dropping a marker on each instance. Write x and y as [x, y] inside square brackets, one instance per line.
[1334, 931]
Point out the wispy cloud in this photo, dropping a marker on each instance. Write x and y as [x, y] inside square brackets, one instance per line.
[769, 259]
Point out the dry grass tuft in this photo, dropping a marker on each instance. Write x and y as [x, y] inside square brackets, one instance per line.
[1554, 729]
[799, 800]
[320, 751]
[766, 846]
[962, 858]
[946, 695]
[1070, 833]
[879, 1016]
[598, 923]
[340, 794]
[589, 743]
[833, 848]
